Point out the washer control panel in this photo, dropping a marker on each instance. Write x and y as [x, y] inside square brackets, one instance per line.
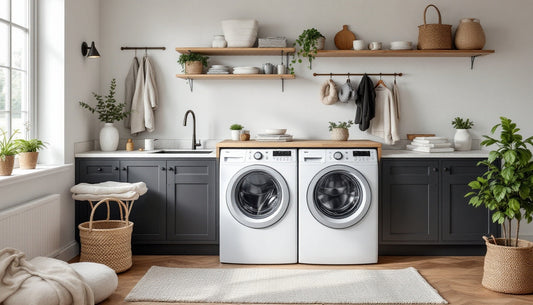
[354, 155]
[273, 155]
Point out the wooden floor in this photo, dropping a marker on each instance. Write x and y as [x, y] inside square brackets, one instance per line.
[457, 278]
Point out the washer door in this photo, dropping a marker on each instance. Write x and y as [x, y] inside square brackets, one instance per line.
[257, 196]
[338, 196]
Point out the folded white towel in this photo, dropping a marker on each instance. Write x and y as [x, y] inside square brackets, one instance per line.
[109, 187]
[97, 197]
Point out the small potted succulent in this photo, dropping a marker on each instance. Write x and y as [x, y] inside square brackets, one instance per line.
[339, 131]
[462, 139]
[193, 63]
[8, 150]
[29, 152]
[236, 131]
[309, 42]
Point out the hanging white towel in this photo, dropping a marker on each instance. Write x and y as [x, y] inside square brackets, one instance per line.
[137, 103]
[131, 77]
[396, 99]
[385, 122]
[149, 96]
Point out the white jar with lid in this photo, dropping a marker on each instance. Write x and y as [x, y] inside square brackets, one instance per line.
[219, 41]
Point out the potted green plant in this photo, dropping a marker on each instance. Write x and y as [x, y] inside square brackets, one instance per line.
[236, 131]
[8, 150]
[309, 42]
[339, 131]
[28, 152]
[193, 63]
[507, 191]
[109, 111]
[462, 139]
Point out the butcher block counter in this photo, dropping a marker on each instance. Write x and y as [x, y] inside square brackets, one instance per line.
[300, 144]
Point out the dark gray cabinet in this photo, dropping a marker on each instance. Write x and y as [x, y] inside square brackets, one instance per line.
[422, 203]
[178, 214]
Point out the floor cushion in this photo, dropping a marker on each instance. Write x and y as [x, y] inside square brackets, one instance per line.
[102, 279]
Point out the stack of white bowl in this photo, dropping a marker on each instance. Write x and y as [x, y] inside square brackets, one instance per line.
[240, 33]
[218, 69]
[245, 70]
[401, 45]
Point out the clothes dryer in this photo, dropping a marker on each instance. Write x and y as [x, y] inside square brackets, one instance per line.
[258, 206]
[338, 206]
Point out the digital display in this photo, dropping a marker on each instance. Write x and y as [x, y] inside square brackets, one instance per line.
[281, 153]
[364, 153]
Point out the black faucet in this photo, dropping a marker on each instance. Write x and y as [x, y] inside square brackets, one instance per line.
[194, 144]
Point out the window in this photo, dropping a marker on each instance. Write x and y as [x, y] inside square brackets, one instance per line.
[16, 63]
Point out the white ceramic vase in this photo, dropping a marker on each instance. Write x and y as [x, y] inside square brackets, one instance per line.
[236, 135]
[462, 140]
[108, 137]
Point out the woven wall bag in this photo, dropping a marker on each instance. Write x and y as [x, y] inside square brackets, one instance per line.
[436, 36]
[107, 241]
[508, 269]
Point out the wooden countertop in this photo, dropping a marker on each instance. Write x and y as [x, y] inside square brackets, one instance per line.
[300, 144]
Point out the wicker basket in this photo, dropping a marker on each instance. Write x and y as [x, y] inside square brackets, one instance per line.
[434, 36]
[107, 241]
[508, 269]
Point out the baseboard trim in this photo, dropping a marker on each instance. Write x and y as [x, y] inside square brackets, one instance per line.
[68, 252]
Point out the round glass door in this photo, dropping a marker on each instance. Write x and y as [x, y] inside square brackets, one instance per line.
[257, 196]
[338, 196]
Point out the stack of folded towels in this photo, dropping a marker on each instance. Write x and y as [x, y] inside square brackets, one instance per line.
[430, 144]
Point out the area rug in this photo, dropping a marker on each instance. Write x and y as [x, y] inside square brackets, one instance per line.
[256, 285]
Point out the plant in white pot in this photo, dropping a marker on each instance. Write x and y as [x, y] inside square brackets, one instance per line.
[309, 42]
[29, 152]
[236, 131]
[8, 150]
[339, 131]
[462, 139]
[507, 191]
[109, 111]
[193, 63]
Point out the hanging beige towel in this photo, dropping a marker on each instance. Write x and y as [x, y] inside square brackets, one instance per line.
[149, 96]
[396, 99]
[130, 88]
[137, 103]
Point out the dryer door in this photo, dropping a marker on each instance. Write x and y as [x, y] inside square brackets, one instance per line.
[257, 196]
[338, 196]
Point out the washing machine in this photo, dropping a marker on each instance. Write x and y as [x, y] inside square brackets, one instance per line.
[258, 206]
[338, 206]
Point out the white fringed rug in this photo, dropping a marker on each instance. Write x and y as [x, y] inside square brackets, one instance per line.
[255, 285]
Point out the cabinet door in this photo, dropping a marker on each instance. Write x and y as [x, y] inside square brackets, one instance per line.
[460, 222]
[149, 211]
[191, 201]
[410, 200]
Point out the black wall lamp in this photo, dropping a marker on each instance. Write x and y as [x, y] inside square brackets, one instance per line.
[90, 52]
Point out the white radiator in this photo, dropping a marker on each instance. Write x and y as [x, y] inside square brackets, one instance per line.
[33, 227]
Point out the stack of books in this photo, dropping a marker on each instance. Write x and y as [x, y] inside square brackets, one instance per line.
[274, 137]
[430, 144]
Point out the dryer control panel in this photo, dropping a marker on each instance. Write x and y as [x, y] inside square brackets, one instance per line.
[353, 155]
[272, 155]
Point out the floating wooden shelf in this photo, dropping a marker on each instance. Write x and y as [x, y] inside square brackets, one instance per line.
[235, 76]
[236, 51]
[403, 53]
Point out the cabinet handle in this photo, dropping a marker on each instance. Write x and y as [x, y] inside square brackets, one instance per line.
[124, 168]
[171, 169]
[163, 169]
[445, 169]
[435, 169]
[99, 169]
[116, 168]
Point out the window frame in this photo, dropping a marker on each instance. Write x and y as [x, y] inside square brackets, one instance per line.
[31, 69]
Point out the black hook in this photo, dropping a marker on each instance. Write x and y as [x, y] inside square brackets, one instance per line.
[379, 76]
[330, 75]
[395, 78]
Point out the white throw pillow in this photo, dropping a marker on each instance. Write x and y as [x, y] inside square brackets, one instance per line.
[102, 279]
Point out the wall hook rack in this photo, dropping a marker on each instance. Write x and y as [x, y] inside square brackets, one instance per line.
[142, 48]
[357, 74]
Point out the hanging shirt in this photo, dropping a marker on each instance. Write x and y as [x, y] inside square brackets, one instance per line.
[131, 78]
[365, 103]
[385, 123]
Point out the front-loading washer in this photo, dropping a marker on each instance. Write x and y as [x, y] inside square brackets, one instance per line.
[338, 206]
[258, 206]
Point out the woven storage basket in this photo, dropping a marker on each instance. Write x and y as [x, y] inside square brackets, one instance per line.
[434, 36]
[107, 242]
[508, 269]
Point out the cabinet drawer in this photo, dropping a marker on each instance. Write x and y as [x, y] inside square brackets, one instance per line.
[95, 171]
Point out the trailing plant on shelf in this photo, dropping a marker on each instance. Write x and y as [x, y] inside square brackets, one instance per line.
[191, 57]
[107, 107]
[460, 123]
[507, 190]
[308, 47]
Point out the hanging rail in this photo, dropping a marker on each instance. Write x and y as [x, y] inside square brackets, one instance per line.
[357, 74]
[143, 48]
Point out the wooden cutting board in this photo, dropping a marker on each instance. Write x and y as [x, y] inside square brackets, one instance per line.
[344, 39]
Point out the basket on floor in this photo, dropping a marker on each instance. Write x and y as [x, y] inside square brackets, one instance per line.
[107, 241]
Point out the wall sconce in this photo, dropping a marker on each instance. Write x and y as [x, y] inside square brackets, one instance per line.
[90, 52]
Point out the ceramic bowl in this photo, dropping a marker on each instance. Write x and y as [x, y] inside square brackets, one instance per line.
[240, 33]
[275, 131]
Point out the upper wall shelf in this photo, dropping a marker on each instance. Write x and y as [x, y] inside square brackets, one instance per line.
[403, 53]
[237, 51]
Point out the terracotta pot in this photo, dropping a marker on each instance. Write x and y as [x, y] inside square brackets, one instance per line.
[6, 165]
[469, 35]
[339, 134]
[193, 67]
[28, 160]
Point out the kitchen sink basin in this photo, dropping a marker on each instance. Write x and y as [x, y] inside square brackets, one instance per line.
[181, 151]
